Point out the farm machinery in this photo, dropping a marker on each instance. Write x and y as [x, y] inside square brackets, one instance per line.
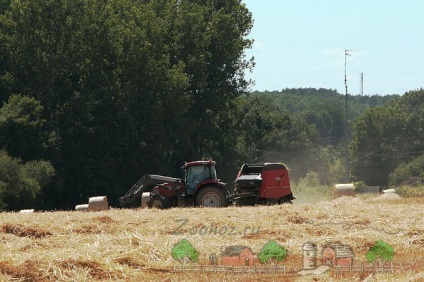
[266, 183]
[199, 187]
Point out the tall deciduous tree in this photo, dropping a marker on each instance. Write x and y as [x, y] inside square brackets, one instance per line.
[22, 128]
[386, 136]
[411, 173]
[266, 133]
[213, 34]
[21, 183]
[5, 77]
[128, 87]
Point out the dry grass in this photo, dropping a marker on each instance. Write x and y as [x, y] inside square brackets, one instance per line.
[135, 245]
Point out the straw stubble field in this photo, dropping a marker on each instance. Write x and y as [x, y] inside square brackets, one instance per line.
[135, 245]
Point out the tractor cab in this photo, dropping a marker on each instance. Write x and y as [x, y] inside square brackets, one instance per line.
[196, 173]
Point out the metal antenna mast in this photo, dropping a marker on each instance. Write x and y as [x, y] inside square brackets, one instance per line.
[346, 122]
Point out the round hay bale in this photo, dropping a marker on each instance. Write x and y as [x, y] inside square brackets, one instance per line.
[83, 207]
[26, 211]
[393, 191]
[98, 203]
[341, 190]
[387, 196]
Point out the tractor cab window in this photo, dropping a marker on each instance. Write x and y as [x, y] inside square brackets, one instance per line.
[197, 174]
[213, 172]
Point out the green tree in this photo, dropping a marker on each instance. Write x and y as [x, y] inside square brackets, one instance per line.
[331, 167]
[272, 251]
[6, 79]
[386, 136]
[214, 36]
[380, 252]
[21, 183]
[184, 251]
[127, 86]
[21, 128]
[258, 126]
[406, 172]
[329, 120]
[266, 133]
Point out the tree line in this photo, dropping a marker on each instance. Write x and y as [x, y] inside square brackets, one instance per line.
[97, 93]
[120, 87]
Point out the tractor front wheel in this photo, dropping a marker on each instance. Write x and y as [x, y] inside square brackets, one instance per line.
[158, 202]
[211, 196]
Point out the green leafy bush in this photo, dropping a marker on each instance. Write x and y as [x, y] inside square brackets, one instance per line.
[380, 252]
[410, 191]
[408, 173]
[272, 251]
[184, 251]
[20, 183]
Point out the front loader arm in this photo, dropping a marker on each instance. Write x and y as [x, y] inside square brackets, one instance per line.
[144, 184]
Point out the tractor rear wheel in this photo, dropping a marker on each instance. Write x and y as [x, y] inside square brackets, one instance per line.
[158, 202]
[211, 196]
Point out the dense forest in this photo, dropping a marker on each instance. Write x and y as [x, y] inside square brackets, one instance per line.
[95, 93]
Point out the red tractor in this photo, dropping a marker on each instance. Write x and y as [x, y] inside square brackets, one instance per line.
[267, 183]
[199, 187]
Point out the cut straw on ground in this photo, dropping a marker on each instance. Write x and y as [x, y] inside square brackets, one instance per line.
[135, 244]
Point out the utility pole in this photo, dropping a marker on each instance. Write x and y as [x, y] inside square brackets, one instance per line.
[346, 122]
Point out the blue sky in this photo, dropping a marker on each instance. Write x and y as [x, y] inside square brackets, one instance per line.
[301, 43]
